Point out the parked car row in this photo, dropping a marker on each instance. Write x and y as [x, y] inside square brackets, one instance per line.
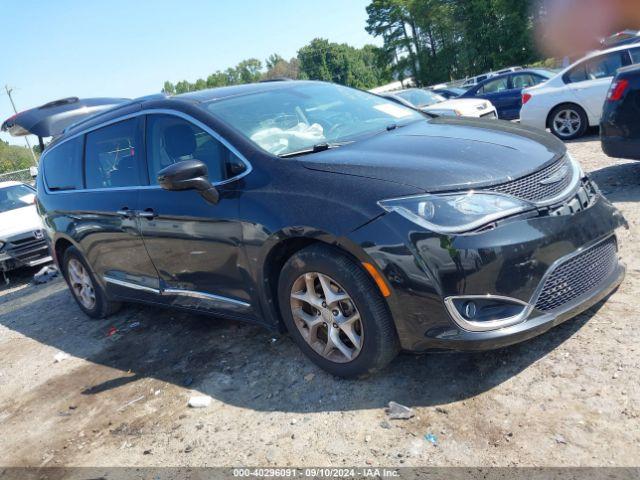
[359, 225]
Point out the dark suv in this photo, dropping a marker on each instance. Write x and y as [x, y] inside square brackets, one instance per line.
[359, 225]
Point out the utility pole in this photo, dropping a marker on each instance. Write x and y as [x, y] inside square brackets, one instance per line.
[33, 154]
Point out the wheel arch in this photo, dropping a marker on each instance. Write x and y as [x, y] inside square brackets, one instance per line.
[280, 249]
[570, 103]
[59, 247]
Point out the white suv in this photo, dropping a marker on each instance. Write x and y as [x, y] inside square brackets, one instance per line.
[22, 241]
[572, 101]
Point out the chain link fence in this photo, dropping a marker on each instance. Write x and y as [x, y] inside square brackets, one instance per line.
[17, 176]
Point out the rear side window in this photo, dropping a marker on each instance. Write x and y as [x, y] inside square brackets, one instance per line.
[635, 55]
[63, 166]
[602, 66]
[494, 86]
[114, 155]
[171, 139]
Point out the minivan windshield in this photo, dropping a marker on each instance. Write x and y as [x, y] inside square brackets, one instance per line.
[303, 115]
[15, 196]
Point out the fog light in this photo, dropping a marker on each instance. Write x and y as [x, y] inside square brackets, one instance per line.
[486, 312]
[470, 310]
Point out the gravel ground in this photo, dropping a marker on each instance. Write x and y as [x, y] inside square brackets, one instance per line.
[568, 397]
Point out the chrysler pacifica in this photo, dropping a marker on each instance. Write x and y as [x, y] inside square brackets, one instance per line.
[359, 225]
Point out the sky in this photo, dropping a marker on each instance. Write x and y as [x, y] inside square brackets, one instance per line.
[128, 48]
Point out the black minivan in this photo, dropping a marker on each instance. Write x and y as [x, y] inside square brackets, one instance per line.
[359, 225]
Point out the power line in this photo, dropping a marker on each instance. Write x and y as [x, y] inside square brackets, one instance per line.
[9, 90]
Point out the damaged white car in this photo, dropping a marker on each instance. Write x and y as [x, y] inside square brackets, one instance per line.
[22, 241]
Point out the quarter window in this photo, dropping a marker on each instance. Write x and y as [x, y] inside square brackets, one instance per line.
[635, 55]
[114, 156]
[494, 86]
[525, 80]
[63, 165]
[171, 139]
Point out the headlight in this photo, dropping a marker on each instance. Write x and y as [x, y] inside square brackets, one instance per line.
[455, 213]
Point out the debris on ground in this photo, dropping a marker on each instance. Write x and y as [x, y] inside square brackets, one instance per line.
[431, 438]
[560, 439]
[444, 411]
[309, 376]
[45, 274]
[200, 401]
[134, 325]
[112, 331]
[60, 356]
[386, 425]
[395, 411]
[131, 402]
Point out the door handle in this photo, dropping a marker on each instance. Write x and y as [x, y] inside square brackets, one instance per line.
[148, 213]
[125, 212]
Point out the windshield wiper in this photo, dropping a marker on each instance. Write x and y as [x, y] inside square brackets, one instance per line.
[318, 147]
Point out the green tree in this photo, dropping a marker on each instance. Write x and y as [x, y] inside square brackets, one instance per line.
[278, 67]
[341, 63]
[169, 88]
[273, 60]
[14, 157]
[249, 71]
[438, 40]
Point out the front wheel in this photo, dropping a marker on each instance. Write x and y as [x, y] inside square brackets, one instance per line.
[335, 312]
[568, 122]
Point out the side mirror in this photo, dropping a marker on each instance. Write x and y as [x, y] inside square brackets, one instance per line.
[188, 175]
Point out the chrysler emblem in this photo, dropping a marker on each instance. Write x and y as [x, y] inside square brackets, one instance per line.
[556, 177]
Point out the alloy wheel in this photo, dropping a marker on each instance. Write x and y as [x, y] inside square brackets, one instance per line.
[567, 122]
[81, 284]
[327, 317]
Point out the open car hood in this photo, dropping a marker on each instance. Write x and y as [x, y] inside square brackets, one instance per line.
[50, 119]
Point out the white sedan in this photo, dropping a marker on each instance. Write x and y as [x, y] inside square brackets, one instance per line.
[435, 104]
[572, 101]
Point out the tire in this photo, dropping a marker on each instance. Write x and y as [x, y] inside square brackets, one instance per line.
[576, 121]
[75, 267]
[363, 316]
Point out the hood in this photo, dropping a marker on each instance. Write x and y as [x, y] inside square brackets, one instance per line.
[462, 104]
[444, 154]
[19, 220]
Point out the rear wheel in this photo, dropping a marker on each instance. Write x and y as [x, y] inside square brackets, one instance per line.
[89, 295]
[568, 121]
[335, 312]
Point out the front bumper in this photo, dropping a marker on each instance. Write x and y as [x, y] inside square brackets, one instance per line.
[24, 250]
[511, 260]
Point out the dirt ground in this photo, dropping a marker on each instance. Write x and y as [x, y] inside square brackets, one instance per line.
[570, 397]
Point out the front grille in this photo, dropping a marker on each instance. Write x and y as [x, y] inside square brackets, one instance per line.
[578, 275]
[530, 187]
[26, 247]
